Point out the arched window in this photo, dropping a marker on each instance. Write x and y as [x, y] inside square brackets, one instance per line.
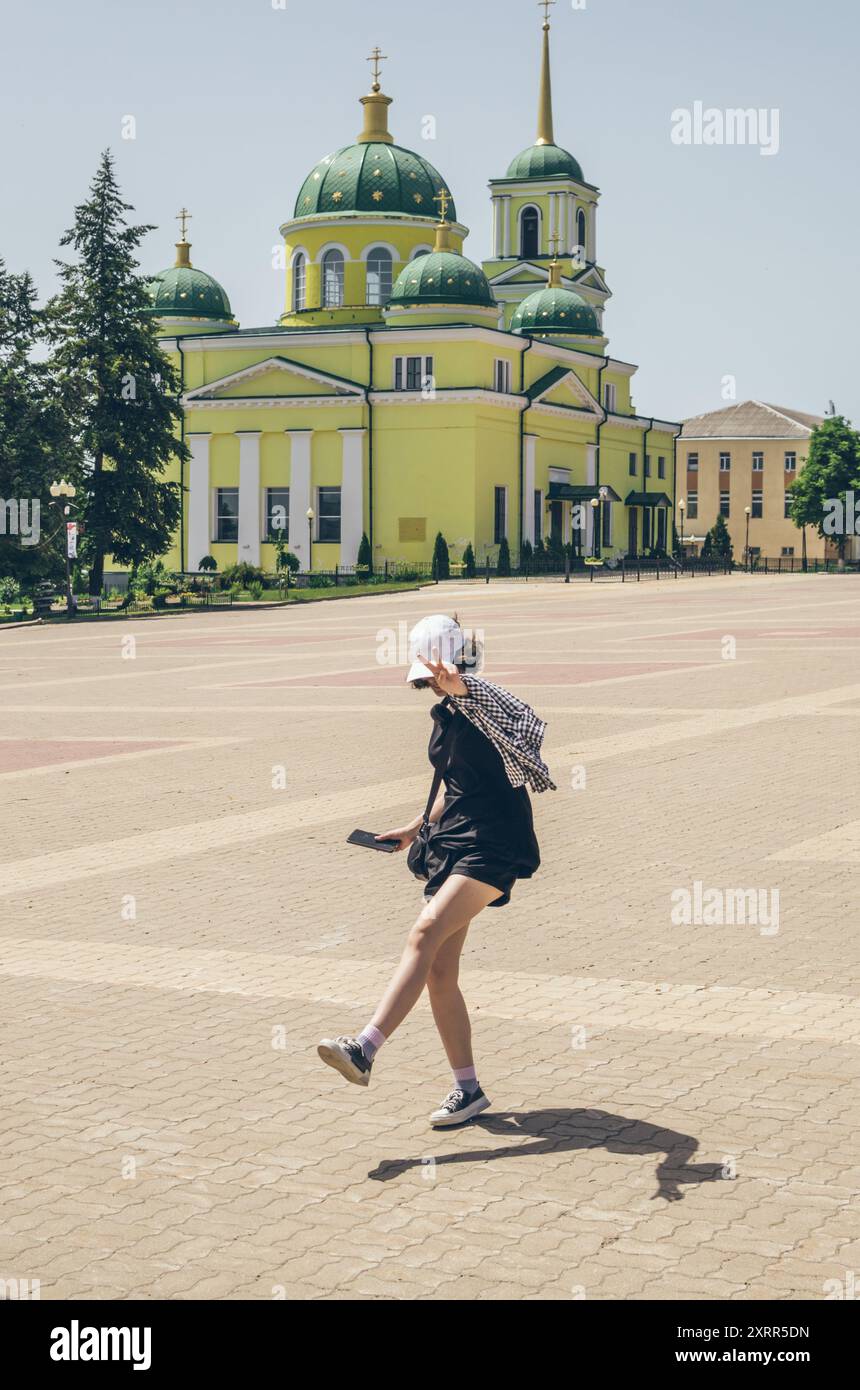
[332, 279]
[529, 233]
[419, 252]
[300, 277]
[379, 275]
[581, 235]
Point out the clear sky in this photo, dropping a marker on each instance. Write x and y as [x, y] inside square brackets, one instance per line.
[722, 261]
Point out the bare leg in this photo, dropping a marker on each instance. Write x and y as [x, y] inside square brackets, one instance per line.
[457, 902]
[448, 1004]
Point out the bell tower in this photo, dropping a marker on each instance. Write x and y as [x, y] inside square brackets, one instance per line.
[543, 197]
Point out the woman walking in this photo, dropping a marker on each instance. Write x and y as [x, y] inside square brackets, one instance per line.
[475, 840]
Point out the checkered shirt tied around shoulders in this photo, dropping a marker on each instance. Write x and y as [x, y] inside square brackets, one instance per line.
[512, 727]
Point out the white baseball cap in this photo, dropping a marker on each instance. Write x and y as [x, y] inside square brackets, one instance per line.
[437, 633]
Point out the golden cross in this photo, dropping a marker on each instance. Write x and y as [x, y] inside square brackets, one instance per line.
[183, 216]
[554, 244]
[443, 198]
[545, 4]
[377, 57]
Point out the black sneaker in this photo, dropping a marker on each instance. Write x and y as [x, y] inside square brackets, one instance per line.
[458, 1107]
[346, 1055]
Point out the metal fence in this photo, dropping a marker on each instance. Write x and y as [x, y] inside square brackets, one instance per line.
[795, 564]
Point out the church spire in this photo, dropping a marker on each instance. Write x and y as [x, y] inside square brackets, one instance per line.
[545, 132]
[376, 106]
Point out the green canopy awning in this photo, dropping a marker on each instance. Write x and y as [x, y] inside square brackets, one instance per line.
[648, 499]
[572, 492]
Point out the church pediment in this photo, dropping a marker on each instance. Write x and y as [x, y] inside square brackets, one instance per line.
[561, 387]
[275, 377]
[523, 273]
[590, 279]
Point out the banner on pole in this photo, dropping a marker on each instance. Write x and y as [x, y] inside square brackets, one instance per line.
[72, 539]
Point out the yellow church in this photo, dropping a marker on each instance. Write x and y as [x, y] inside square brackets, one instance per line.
[407, 390]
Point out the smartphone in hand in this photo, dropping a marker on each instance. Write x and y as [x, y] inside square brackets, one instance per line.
[369, 841]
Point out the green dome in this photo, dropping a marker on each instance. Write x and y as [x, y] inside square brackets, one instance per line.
[555, 311]
[372, 177]
[183, 292]
[545, 162]
[441, 277]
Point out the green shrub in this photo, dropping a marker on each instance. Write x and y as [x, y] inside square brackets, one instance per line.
[151, 576]
[10, 590]
[365, 554]
[441, 558]
[208, 563]
[159, 599]
[469, 566]
[244, 575]
[503, 564]
[320, 581]
[256, 590]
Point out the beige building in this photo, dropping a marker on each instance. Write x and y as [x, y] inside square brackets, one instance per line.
[744, 456]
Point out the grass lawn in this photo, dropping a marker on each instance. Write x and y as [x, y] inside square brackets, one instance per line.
[346, 591]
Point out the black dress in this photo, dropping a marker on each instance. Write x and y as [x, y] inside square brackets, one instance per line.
[486, 831]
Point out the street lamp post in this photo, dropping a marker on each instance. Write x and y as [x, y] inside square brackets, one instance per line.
[682, 507]
[747, 542]
[595, 524]
[310, 516]
[62, 494]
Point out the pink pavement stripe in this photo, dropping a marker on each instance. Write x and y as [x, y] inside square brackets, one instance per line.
[568, 673]
[21, 754]
[287, 640]
[801, 634]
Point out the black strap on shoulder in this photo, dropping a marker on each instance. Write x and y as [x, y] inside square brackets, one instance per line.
[437, 775]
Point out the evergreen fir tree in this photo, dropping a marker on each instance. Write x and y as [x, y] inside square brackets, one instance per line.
[365, 554]
[117, 388]
[721, 541]
[469, 566]
[441, 559]
[503, 564]
[34, 448]
[526, 556]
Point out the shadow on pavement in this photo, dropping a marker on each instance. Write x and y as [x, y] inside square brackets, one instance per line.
[565, 1131]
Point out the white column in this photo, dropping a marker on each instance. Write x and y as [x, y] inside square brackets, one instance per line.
[497, 226]
[199, 510]
[590, 477]
[351, 494]
[506, 226]
[529, 488]
[300, 492]
[249, 496]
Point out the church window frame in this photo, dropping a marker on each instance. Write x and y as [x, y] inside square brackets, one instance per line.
[333, 278]
[413, 372]
[300, 281]
[582, 234]
[379, 280]
[531, 250]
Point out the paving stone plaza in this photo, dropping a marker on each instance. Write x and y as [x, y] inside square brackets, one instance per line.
[665, 1017]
